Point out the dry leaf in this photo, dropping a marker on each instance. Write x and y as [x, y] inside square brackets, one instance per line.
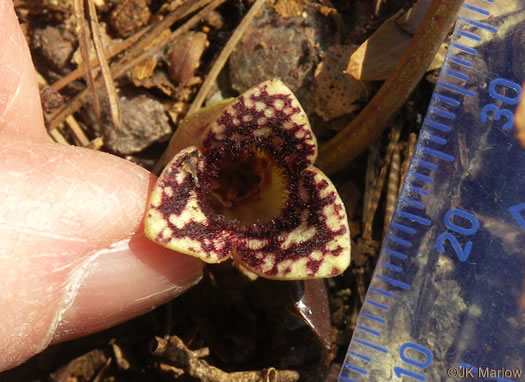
[289, 8]
[185, 56]
[377, 56]
[336, 92]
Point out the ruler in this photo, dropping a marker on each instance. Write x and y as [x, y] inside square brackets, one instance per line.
[447, 298]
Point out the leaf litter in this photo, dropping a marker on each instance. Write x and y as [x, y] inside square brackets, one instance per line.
[249, 328]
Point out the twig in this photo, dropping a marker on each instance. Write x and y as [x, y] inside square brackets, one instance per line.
[367, 126]
[120, 358]
[377, 7]
[186, 361]
[58, 137]
[211, 77]
[373, 154]
[376, 195]
[176, 15]
[110, 53]
[95, 144]
[392, 188]
[172, 37]
[100, 375]
[111, 92]
[75, 369]
[411, 147]
[224, 55]
[78, 134]
[83, 42]
[139, 50]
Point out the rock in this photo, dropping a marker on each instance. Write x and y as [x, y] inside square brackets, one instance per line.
[285, 48]
[54, 45]
[129, 16]
[143, 122]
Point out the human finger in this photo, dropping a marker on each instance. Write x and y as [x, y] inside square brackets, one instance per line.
[20, 110]
[71, 261]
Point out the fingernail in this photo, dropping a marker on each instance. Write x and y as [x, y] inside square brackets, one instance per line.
[129, 278]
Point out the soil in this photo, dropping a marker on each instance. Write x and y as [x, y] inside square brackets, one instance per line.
[249, 328]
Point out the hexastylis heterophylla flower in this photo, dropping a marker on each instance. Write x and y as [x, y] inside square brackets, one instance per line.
[248, 189]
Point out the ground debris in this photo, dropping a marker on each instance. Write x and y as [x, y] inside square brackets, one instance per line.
[337, 93]
[185, 56]
[285, 48]
[375, 59]
[144, 122]
[186, 361]
[55, 45]
[289, 8]
[234, 322]
[129, 16]
[83, 368]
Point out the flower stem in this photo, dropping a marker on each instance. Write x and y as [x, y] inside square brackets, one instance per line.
[374, 118]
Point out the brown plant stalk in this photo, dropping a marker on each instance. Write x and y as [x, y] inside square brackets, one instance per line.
[139, 51]
[213, 73]
[223, 57]
[112, 51]
[83, 43]
[109, 86]
[374, 118]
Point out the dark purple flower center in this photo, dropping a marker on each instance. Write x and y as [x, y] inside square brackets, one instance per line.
[247, 187]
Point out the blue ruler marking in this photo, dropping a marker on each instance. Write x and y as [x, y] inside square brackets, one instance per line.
[471, 36]
[370, 345]
[516, 212]
[392, 267]
[415, 218]
[412, 202]
[456, 89]
[464, 48]
[421, 177]
[345, 379]
[368, 330]
[393, 282]
[359, 355]
[445, 99]
[417, 189]
[355, 368]
[436, 139]
[397, 254]
[457, 74]
[478, 24]
[377, 305]
[438, 154]
[476, 9]
[375, 318]
[442, 113]
[459, 61]
[437, 125]
[398, 240]
[403, 228]
[382, 292]
[424, 163]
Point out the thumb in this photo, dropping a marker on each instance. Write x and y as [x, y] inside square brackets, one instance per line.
[71, 262]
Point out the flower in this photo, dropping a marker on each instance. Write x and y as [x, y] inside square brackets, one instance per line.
[250, 190]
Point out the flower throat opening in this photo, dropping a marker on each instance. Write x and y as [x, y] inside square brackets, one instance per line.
[249, 188]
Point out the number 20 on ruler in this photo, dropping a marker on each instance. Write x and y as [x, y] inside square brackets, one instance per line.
[463, 225]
